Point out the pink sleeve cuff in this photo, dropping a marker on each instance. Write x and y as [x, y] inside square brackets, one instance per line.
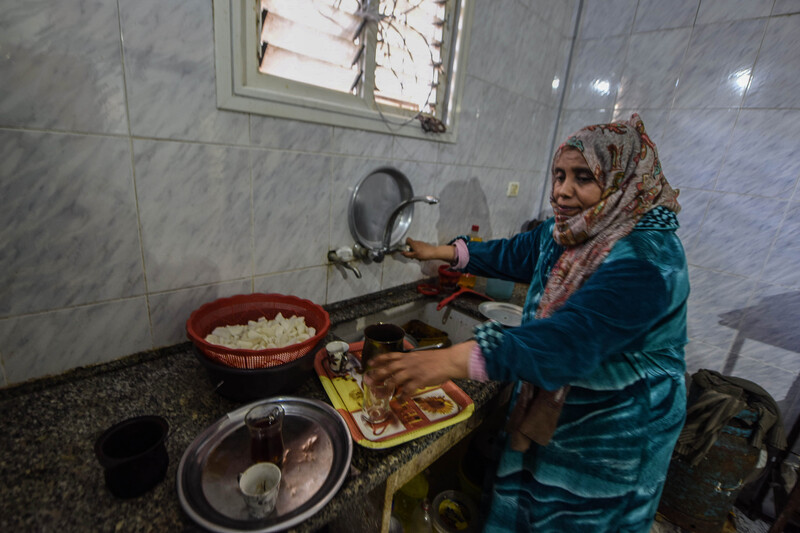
[462, 255]
[476, 368]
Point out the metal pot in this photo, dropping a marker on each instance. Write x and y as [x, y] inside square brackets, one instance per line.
[385, 338]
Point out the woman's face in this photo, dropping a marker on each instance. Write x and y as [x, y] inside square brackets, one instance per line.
[574, 186]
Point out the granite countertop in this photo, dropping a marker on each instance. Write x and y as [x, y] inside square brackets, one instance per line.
[51, 479]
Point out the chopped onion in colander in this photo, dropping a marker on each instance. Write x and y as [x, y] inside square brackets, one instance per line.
[263, 333]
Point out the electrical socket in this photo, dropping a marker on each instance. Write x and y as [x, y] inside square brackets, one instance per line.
[513, 189]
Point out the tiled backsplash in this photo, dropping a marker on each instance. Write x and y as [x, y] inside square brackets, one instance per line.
[129, 199]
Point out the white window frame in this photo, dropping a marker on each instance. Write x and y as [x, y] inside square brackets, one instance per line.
[241, 87]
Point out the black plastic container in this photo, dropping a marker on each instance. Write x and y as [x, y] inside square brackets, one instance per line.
[249, 384]
[133, 454]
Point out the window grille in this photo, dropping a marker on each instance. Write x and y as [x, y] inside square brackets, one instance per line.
[355, 63]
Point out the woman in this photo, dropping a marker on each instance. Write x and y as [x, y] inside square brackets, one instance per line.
[600, 349]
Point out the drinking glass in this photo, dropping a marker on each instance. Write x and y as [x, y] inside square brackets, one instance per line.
[377, 397]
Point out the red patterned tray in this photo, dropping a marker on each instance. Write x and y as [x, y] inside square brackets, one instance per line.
[427, 411]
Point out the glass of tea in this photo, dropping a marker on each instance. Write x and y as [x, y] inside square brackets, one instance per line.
[265, 423]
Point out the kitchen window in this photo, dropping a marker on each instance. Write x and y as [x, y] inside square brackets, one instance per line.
[390, 66]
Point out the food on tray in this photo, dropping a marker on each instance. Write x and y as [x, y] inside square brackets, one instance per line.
[435, 404]
[262, 333]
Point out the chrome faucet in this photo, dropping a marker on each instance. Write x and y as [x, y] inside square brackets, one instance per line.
[378, 255]
[343, 256]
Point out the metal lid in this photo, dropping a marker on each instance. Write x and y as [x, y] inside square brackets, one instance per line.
[373, 200]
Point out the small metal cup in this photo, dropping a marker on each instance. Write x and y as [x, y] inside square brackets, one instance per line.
[381, 338]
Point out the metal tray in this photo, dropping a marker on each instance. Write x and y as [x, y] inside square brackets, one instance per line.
[316, 465]
[373, 200]
[509, 315]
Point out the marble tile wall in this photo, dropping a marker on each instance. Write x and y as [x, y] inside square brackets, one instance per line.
[127, 199]
[716, 84]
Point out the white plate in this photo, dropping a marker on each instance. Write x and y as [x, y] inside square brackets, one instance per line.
[507, 314]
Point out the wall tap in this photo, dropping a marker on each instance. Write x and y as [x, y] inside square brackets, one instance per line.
[387, 233]
[343, 257]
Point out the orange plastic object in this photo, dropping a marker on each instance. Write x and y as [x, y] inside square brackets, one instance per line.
[427, 289]
[240, 309]
[458, 293]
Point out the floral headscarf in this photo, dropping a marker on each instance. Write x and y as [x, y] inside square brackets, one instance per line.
[625, 164]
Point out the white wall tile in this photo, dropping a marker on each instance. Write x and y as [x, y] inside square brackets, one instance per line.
[344, 285]
[775, 81]
[495, 39]
[652, 67]
[308, 283]
[51, 343]
[195, 214]
[364, 143]
[720, 10]
[785, 7]
[291, 210]
[694, 146]
[596, 71]
[559, 15]
[660, 15]
[700, 355]
[762, 157]
[170, 73]
[733, 218]
[271, 132]
[408, 149]
[784, 257]
[484, 133]
[606, 18]
[68, 223]
[713, 298]
[533, 74]
[61, 66]
[768, 327]
[718, 64]
[694, 204]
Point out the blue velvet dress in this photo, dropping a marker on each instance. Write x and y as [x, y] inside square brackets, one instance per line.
[619, 342]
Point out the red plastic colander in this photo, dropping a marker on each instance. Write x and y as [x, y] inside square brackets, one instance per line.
[238, 310]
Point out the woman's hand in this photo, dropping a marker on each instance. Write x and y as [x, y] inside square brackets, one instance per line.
[423, 251]
[411, 371]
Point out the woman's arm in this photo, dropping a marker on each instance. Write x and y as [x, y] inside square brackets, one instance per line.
[514, 259]
[613, 312]
[423, 251]
[410, 371]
